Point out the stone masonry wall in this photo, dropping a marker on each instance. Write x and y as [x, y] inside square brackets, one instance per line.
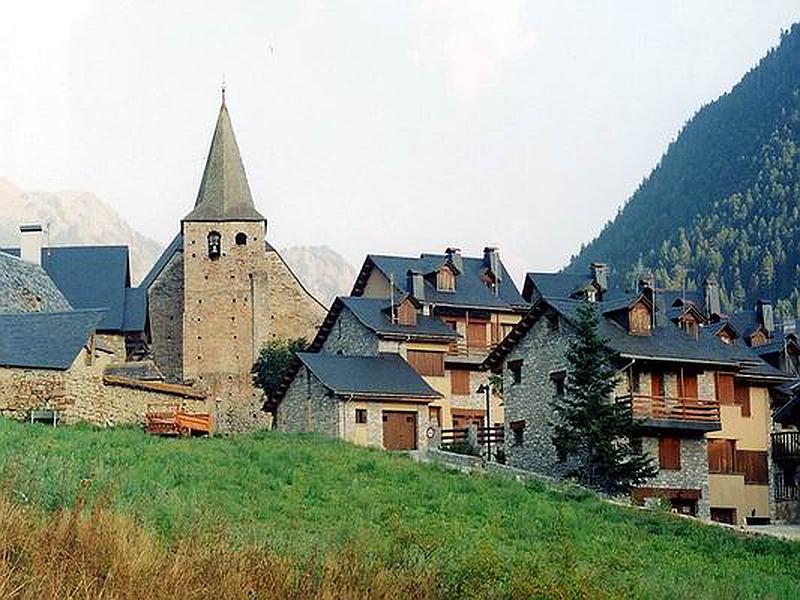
[542, 352]
[308, 407]
[80, 394]
[350, 337]
[693, 473]
[233, 305]
[165, 309]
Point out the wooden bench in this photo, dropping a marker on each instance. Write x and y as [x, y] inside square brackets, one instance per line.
[44, 415]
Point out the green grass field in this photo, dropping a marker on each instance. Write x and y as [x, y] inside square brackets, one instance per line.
[307, 496]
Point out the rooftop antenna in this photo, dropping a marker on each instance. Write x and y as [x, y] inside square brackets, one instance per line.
[223, 88]
[391, 295]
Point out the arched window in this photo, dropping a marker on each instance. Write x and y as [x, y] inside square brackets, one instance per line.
[241, 239]
[214, 245]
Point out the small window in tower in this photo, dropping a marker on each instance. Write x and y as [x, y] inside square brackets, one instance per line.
[241, 239]
[214, 245]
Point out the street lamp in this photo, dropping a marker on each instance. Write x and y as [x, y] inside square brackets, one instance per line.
[487, 390]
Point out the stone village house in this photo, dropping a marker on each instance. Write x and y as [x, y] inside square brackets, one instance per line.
[705, 406]
[440, 314]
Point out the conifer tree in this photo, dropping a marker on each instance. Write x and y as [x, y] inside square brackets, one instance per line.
[593, 434]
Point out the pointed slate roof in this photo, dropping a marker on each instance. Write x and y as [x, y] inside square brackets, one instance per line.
[224, 192]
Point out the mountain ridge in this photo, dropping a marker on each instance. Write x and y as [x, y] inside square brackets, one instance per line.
[724, 197]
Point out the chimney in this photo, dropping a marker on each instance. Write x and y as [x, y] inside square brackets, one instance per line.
[31, 239]
[416, 285]
[766, 316]
[711, 296]
[600, 276]
[491, 260]
[789, 325]
[454, 256]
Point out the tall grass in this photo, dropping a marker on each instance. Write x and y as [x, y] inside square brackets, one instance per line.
[311, 506]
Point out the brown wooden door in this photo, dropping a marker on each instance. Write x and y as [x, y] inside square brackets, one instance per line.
[399, 430]
[476, 335]
[657, 384]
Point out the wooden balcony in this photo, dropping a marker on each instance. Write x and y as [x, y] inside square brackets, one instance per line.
[668, 412]
[786, 446]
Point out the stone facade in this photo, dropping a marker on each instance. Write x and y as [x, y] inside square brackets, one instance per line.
[308, 406]
[693, 474]
[542, 353]
[209, 317]
[80, 393]
[165, 300]
[351, 338]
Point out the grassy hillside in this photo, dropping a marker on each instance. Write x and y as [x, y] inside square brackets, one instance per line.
[725, 197]
[319, 502]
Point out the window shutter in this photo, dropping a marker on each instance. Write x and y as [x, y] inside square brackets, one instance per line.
[427, 363]
[669, 453]
[459, 383]
[753, 463]
[721, 456]
[742, 397]
[725, 388]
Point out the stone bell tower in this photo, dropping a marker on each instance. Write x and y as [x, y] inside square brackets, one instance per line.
[220, 291]
[223, 252]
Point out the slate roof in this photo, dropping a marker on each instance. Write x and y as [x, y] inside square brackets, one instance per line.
[224, 193]
[384, 375]
[374, 314]
[97, 277]
[45, 340]
[25, 287]
[667, 343]
[470, 290]
[555, 285]
[176, 245]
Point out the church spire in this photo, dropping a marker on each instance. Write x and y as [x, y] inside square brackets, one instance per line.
[224, 193]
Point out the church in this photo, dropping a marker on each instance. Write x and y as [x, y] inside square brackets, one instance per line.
[220, 291]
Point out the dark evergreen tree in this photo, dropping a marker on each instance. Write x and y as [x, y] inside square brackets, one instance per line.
[593, 433]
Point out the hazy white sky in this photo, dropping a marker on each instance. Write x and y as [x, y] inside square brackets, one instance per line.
[371, 126]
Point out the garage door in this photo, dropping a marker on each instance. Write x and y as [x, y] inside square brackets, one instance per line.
[399, 430]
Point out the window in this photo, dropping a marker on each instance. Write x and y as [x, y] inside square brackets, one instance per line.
[725, 388]
[741, 397]
[435, 415]
[445, 280]
[558, 378]
[723, 515]
[687, 385]
[518, 429]
[241, 239]
[407, 314]
[427, 363]
[639, 319]
[753, 464]
[476, 335]
[214, 245]
[669, 453]
[690, 326]
[657, 384]
[361, 416]
[722, 456]
[459, 383]
[635, 382]
[515, 366]
[452, 324]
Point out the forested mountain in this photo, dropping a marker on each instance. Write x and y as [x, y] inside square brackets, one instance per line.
[725, 197]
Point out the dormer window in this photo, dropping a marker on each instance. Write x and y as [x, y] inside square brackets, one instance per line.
[407, 313]
[640, 320]
[446, 280]
[690, 326]
[214, 245]
[591, 296]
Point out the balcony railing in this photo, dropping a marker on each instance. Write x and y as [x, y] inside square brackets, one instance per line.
[462, 348]
[668, 408]
[786, 445]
